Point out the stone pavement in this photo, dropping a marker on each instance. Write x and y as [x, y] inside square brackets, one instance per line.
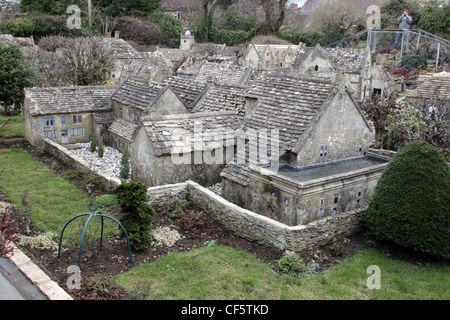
[26, 281]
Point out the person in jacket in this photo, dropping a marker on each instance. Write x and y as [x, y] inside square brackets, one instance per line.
[404, 23]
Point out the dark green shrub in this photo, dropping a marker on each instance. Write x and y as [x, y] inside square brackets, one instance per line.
[137, 220]
[100, 149]
[310, 37]
[410, 206]
[413, 61]
[93, 144]
[125, 165]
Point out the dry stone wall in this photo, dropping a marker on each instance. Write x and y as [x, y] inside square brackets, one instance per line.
[258, 228]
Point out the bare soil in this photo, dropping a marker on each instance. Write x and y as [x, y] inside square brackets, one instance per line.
[113, 257]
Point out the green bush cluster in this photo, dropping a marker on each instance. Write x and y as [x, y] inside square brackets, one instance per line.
[137, 220]
[410, 206]
[41, 26]
[413, 61]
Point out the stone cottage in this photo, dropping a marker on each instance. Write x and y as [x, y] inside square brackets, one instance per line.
[65, 114]
[174, 148]
[307, 123]
[262, 57]
[135, 98]
[356, 63]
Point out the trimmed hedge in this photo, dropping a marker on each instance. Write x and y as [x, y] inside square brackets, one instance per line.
[411, 202]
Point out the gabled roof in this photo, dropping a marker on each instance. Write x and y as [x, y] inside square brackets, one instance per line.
[121, 49]
[223, 98]
[349, 59]
[291, 106]
[212, 127]
[190, 91]
[57, 100]
[137, 92]
[123, 129]
[287, 104]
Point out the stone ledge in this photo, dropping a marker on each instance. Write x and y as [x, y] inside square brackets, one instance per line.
[33, 273]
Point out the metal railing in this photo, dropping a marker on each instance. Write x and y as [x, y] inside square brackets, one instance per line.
[411, 39]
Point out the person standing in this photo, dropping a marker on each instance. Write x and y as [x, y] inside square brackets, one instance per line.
[404, 23]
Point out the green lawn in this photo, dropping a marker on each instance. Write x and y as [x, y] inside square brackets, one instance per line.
[13, 128]
[52, 200]
[220, 272]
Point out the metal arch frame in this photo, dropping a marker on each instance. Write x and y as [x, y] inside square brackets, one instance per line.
[91, 215]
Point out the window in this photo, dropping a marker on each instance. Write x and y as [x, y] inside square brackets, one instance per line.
[334, 211]
[316, 68]
[45, 134]
[359, 192]
[46, 122]
[50, 134]
[320, 212]
[358, 203]
[77, 119]
[325, 152]
[52, 121]
[336, 198]
[55, 134]
[63, 120]
[176, 15]
[322, 201]
[321, 151]
[360, 148]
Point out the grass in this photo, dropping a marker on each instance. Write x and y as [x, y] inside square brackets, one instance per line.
[14, 127]
[220, 272]
[52, 200]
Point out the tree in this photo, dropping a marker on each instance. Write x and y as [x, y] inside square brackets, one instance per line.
[392, 9]
[86, 61]
[16, 73]
[344, 16]
[274, 13]
[410, 206]
[377, 110]
[137, 220]
[435, 18]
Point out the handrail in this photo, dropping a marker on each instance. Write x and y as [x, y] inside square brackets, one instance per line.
[419, 32]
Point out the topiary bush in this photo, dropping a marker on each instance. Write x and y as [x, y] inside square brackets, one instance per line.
[137, 220]
[410, 206]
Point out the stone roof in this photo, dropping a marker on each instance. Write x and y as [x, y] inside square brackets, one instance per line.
[167, 132]
[123, 129]
[223, 98]
[25, 42]
[438, 86]
[103, 117]
[137, 92]
[223, 73]
[51, 100]
[190, 91]
[285, 104]
[121, 49]
[302, 53]
[349, 59]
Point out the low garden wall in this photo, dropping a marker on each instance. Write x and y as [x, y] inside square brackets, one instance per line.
[255, 227]
[59, 152]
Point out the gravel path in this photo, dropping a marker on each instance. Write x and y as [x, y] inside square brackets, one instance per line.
[109, 164]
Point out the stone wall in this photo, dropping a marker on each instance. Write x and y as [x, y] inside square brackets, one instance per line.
[255, 227]
[59, 152]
